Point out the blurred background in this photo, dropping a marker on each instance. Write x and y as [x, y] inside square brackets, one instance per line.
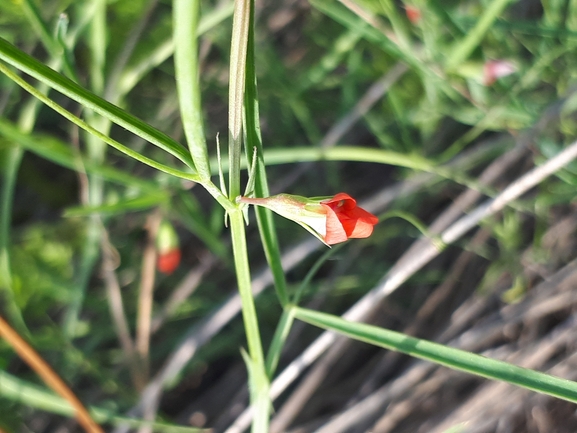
[457, 99]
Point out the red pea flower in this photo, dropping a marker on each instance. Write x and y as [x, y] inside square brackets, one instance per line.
[168, 262]
[495, 69]
[168, 249]
[413, 14]
[332, 220]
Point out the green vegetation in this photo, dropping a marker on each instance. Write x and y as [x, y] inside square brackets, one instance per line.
[454, 122]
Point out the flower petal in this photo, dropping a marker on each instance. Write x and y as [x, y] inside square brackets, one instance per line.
[341, 200]
[362, 229]
[335, 232]
[355, 221]
[359, 225]
[169, 261]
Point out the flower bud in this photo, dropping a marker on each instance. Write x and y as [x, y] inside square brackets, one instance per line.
[168, 249]
[331, 219]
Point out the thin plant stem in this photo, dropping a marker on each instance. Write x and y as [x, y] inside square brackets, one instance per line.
[185, 15]
[109, 263]
[254, 141]
[259, 383]
[83, 125]
[145, 294]
[238, 50]
[94, 188]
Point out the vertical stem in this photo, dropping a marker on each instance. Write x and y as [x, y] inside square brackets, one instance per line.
[463, 49]
[259, 384]
[12, 159]
[145, 296]
[242, 269]
[253, 139]
[185, 18]
[96, 150]
[240, 27]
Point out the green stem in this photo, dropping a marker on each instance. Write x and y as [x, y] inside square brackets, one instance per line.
[185, 19]
[244, 284]
[259, 384]
[254, 140]
[50, 43]
[96, 151]
[240, 30]
[25, 63]
[217, 194]
[463, 49]
[13, 157]
[85, 126]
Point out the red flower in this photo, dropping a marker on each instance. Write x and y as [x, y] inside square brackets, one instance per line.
[168, 262]
[168, 249]
[495, 69]
[346, 220]
[332, 220]
[413, 14]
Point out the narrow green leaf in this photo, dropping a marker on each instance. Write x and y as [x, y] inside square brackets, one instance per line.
[463, 49]
[22, 61]
[344, 153]
[185, 19]
[281, 333]
[91, 130]
[25, 393]
[123, 206]
[443, 355]
[9, 172]
[238, 50]
[264, 216]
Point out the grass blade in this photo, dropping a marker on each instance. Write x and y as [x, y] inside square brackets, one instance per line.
[76, 120]
[40, 71]
[443, 355]
[264, 216]
[464, 48]
[185, 16]
[238, 49]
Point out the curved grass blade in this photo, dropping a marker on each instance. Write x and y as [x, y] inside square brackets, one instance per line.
[76, 120]
[264, 216]
[22, 61]
[121, 207]
[463, 49]
[185, 18]
[455, 359]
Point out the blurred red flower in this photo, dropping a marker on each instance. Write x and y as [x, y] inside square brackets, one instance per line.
[495, 69]
[413, 14]
[168, 248]
[168, 262]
